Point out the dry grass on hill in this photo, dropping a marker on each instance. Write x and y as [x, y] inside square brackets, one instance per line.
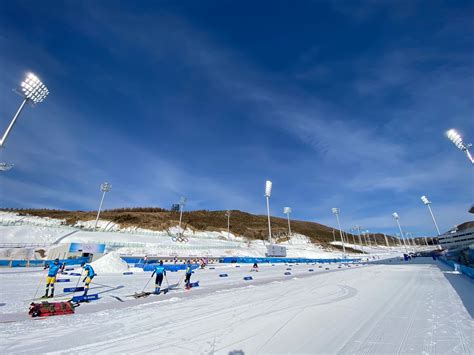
[241, 223]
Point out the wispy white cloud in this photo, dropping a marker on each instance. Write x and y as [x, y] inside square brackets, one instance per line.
[338, 153]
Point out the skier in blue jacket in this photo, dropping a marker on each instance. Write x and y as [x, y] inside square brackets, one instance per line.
[54, 268]
[160, 272]
[189, 271]
[89, 276]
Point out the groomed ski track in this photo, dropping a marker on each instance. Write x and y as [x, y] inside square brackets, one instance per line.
[415, 307]
[234, 281]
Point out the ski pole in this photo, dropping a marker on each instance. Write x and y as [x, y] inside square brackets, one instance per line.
[166, 278]
[147, 283]
[179, 283]
[77, 283]
[39, 283]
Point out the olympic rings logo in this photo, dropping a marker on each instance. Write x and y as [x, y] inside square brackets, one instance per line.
[180, 239]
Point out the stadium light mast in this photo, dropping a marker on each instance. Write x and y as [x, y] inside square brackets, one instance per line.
[34, 91]
[397, 218]
[456, 138]
[367, 235]
[287, 211]
[105, 187]
[336, 211]
[268, 193]
[357, 229]
[427, 202]
[227, 214]
[182, 203]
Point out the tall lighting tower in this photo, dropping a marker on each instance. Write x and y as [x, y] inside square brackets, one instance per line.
[182, 203]
[105, 187]
[427, 202]
[456, 138]
[287, 211]
[336, 211]
[227, 214]
[357, 229]
[268, 193]
[397, 218]
[34, 91]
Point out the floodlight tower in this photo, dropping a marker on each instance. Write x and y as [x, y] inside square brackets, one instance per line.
[410, 239]
[268, 193]
[227, 214]
[427, 202]
[287, 211]
[34, 91]
[456, 138]
[105, 187]
[182, 203]
[397, 218]
[357, 229]
[367, 235]
[336, 211]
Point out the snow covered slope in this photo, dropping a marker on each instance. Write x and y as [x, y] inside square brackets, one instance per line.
[417, 307]
[21, 229]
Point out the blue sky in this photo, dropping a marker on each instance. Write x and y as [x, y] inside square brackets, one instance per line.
[340, 104]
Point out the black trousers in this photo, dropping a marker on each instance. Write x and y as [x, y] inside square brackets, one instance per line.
[187, 279]
[159, 280]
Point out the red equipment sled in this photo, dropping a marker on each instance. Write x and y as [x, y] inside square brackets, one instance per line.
[46, 309]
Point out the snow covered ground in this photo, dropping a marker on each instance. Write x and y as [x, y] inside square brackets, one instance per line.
[396, 307]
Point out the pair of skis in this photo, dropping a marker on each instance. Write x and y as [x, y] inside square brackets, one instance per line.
[163, 291]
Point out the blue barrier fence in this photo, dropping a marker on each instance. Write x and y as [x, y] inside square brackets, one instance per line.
[245, 260]
[176, 267]
[466, 270]
[26, 263]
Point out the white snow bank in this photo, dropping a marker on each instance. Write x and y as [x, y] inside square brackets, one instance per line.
[109, 264]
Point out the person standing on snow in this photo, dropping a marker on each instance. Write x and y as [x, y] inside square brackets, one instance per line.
[254, 267]
[89, 276]
[160, 272]
[189, 271]
[51, 278]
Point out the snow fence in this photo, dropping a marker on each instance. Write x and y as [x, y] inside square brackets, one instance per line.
[28, 263]
[246, 260]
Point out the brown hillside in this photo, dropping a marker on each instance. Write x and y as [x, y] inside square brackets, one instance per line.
[241, 223]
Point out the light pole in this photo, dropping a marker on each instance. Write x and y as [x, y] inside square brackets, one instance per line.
[358, 234]
[268, 193]
[353, 237]
[357, 229]
[456, 138]
[397, 218]
[287, 211]
[365, 238]
[427, 202]
[410, 239]
[367, 234]
[386, 240]
[227, 213]
[182, 202]
[336, 211]
[34, 91]
[105, 187]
